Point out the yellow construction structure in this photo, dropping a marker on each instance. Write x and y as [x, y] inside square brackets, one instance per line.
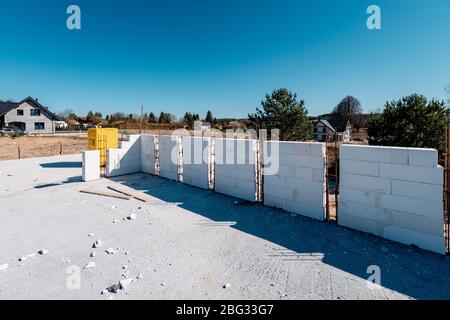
[102, 139]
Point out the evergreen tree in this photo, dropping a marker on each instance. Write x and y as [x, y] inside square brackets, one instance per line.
[281, 110]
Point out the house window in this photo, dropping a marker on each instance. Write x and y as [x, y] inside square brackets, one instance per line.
[39, 126]
[35, 112]
[20, 112]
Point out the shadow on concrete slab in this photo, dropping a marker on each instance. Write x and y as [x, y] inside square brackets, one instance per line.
[413, 272]
[61, 165]
[58, 183]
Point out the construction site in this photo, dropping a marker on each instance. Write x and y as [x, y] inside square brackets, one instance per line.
[201, 217]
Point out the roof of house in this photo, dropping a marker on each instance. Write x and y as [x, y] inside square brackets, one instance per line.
[339, 125]
[325, 123]
[7, 106]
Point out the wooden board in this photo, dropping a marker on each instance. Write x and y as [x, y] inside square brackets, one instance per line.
[105, 194]
[132, 193]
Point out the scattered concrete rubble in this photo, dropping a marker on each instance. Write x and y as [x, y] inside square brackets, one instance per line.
[97, 244]
[91, 234]
[132, 216]
[123, 284]
[111, 251]
[226, 286]
[3, 266]
[92, 254]
[43, 252]
[113, 289]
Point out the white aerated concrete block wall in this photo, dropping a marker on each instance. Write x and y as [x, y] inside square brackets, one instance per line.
[395, 193]
[195, 161]
[91, 165]
[235, 170]
[126, 159]
[148, 156]
[294, 177]
[168, 157]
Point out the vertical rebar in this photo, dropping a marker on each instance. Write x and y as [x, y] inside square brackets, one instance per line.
[446, 191]
[327, 184]
[336, 175]
[157, 161]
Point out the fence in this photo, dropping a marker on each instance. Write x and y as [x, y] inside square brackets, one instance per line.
[395, 193]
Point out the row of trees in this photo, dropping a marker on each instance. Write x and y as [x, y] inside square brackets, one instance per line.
[164, 118]
[412, 121]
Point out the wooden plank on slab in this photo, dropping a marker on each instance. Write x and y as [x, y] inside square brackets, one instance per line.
[132, 193]
[106, 194]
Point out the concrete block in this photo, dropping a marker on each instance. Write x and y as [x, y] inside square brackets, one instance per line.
[387, 217]
[275, 202]
[286, 171]
[278, 191]
[410, 173]
[360, 209]
[432, 192]
[400, 156]
[318, 150]
[423, 157]
[424, 241]
[286, 147]
[243, 191]
[248, 174]
[314, 211]
[276, 181]
[348, 220]
[366, 183]
[304, 173]
[412, 205]
[360, 167]
[302, 161]
[305, 186]
[312, 198]
[318, 175]
[91, 165]
[365, 153]
[421, 224]
[358, 195]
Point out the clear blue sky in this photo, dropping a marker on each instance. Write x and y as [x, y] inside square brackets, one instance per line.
[222, 55]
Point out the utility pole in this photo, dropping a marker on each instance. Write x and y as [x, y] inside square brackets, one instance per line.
[142, 115]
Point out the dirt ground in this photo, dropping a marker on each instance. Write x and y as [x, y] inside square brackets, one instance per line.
[30, 147]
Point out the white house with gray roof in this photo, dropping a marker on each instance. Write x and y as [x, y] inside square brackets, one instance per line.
[29, 116]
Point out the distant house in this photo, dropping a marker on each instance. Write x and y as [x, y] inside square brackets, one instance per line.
[202, 126]
[83, 123]
[29, 116]
[324, 128]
